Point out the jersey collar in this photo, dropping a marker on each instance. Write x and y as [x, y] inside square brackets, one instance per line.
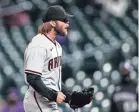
[54, 42]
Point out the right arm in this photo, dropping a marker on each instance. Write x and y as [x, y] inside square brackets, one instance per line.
[38, 85]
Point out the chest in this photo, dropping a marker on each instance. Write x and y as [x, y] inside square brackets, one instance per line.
[125, 93]
[54, 54]
[54, 51]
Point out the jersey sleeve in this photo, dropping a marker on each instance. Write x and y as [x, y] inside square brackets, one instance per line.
[34, 60]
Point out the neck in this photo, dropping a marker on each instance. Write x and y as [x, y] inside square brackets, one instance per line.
[51, 35]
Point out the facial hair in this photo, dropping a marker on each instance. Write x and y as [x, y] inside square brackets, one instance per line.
[59, 31]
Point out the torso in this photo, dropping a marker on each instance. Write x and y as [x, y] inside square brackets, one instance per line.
[51, 70]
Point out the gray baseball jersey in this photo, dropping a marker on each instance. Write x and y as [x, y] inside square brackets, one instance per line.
[43, 57]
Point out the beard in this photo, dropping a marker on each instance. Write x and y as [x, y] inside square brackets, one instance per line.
[60, 31]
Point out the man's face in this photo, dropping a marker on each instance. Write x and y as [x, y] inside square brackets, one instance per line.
[62, 27]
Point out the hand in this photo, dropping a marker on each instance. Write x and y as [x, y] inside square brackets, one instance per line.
[80, 99]
[60, 97]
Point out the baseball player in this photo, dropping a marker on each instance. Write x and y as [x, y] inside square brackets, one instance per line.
[42, 66]
[124, 98]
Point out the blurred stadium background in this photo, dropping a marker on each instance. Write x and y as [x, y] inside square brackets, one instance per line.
[103, 34]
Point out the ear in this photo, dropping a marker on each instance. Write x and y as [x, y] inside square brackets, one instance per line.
[53, 23]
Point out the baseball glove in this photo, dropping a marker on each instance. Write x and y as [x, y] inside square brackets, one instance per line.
[80, 99]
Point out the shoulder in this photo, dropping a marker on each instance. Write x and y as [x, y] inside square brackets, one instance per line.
[37, 50]
[39, 41]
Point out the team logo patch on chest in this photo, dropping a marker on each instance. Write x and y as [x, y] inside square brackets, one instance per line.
[54, 63]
